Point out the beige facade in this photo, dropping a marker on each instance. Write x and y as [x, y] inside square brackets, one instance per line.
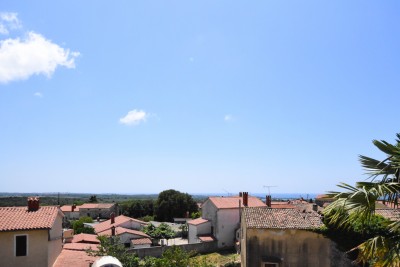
[40, 251]
[290, 247]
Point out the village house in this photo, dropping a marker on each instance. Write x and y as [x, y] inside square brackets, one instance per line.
[30, 236]
[71, 212]
[273, 237]
[128, 229]
[221, 216]
[98, 210]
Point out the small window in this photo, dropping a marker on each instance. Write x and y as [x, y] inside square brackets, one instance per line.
[21, 245]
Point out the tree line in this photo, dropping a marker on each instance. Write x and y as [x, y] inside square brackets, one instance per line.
[169, 204]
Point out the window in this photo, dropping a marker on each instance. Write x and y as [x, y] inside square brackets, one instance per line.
[21, 245]
[269, 264]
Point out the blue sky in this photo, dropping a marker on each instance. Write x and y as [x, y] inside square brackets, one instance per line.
[198, 96]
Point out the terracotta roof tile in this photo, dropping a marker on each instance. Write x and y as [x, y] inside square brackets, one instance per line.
[85, 238]
[68, 208]
[197, 221]
[80, 246]
[97, 205]
[233, 202]
[118, 221]
[74, 258]
[19, 218]
[267, 218]
[206, 238]
[121, 230]
[141, 241]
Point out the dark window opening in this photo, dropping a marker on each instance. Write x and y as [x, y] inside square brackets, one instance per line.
[21, 245]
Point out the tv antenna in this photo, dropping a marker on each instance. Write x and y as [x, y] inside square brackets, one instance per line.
[227, 192]
[269, 188]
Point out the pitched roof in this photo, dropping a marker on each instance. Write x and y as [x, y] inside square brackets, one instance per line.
[141, 241]
[233, 202]
[85, 238]
[282, 205]
[122, 230]
[97, 205]
[206, 238]
[197, 221]
[391, 214]
[74, 258]
[267, 218]
[19, 218]
[68, 208]
[118, 221]
[80, 246]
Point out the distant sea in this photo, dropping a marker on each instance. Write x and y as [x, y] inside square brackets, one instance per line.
[277, 196]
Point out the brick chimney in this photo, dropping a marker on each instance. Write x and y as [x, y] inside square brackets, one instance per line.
[73, 207]
[113, 231]
[268, 201]
[240, 194]
[33, 203]
[245, 198]
[112, 217]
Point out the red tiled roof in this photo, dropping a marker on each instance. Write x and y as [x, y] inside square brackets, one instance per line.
[80, 246]
[97, 205]
[267, 218]
[197, 221]
[19, 218]
[74, 258]
[118, 221]
[282, 205]
[121, 230]
[141, 241]
[233, 202]
[68, 208]
[206, 238]
[85, 238]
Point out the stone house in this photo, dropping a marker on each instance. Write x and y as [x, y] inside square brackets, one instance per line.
[98, 210]
[285, 237]
[223, 214]
[30, 236]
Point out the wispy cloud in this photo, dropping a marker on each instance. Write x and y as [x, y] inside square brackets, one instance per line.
[32, 54]
[9, 21]
[134, 117]
[228, 118]
[38, 94]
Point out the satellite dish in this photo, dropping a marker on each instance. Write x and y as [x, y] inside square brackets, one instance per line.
[107, 261]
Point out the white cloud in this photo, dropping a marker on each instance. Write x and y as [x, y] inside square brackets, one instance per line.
[9, 21]
[20, 59]
[134, 117]
[228, 117]
[38, 94]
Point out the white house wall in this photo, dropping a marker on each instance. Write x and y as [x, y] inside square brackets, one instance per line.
[227, 224]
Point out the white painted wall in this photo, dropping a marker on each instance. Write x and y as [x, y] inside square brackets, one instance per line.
[227, 224]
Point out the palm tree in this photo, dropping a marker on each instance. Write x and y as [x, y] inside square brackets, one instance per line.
[358, 203]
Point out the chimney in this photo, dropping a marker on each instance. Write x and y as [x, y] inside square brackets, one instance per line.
[268, 201]
[245, 199]
[187, 214]
[240, 194]
[315, 207]
[73, 207]
[113, 231]
[33, 203]
[112, 217]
